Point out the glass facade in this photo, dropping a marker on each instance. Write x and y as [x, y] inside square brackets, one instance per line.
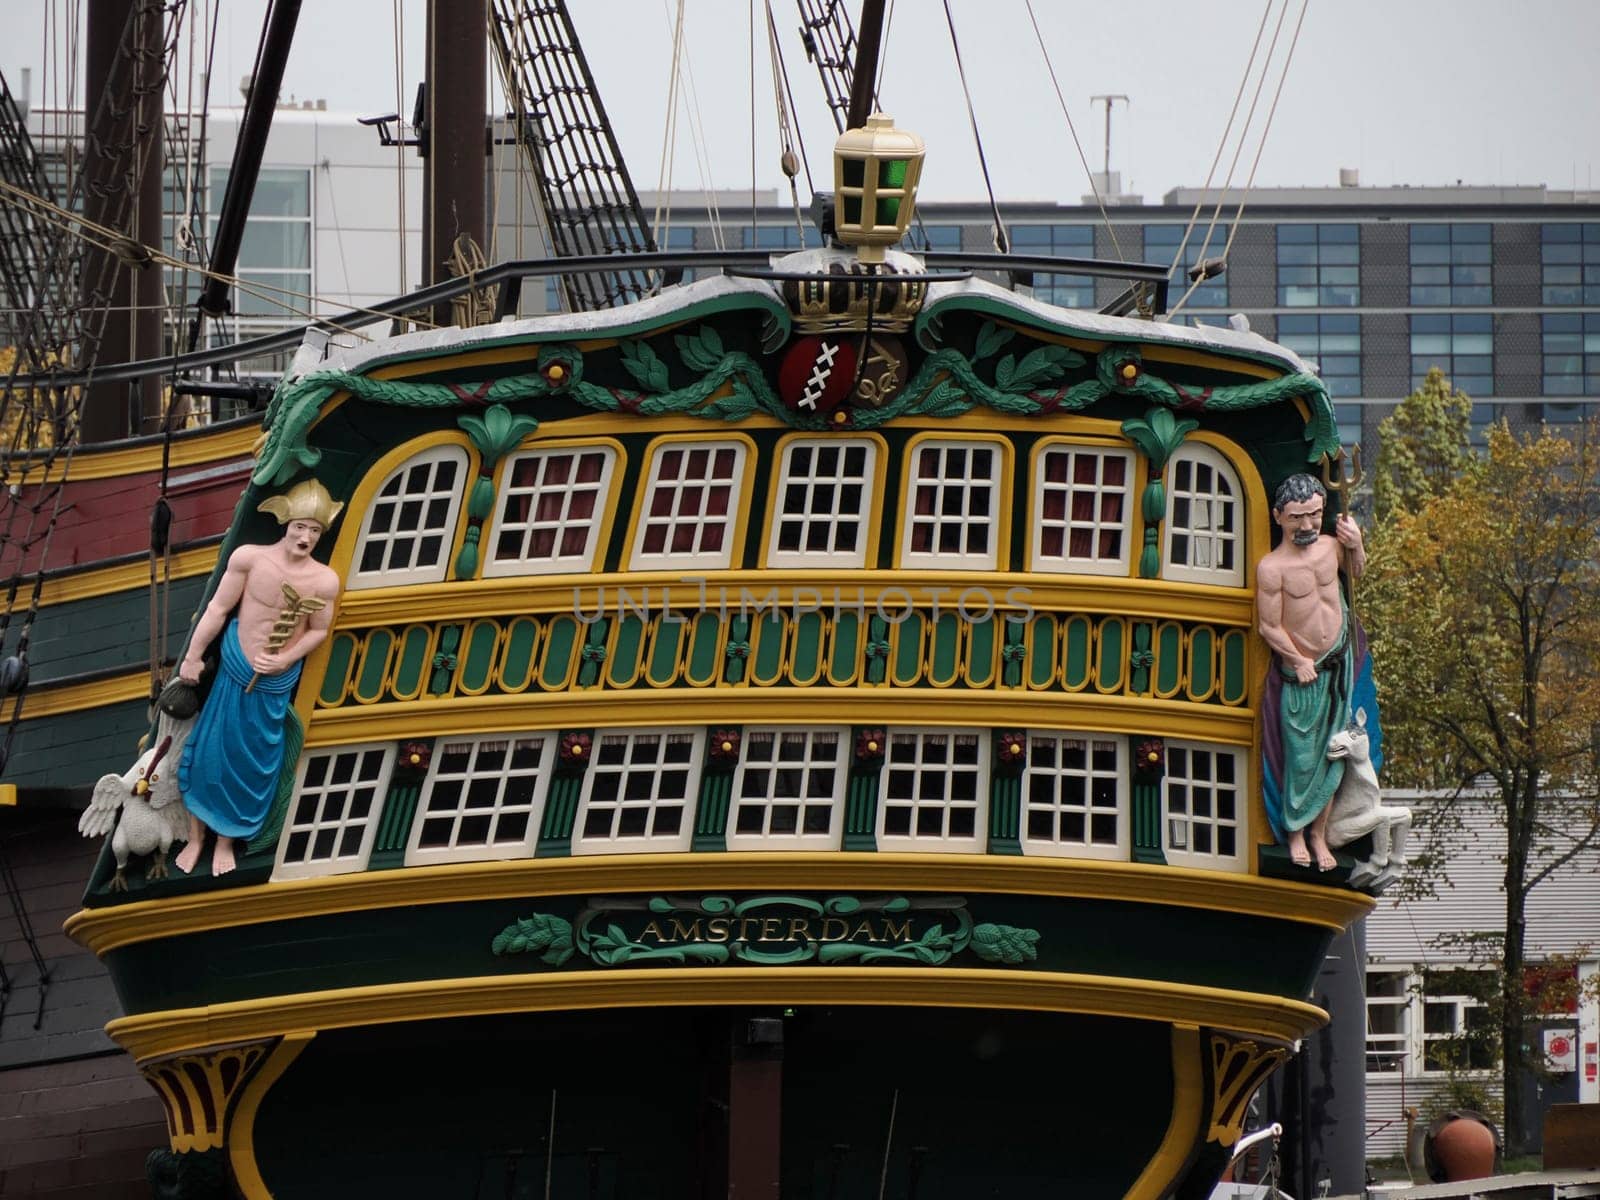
[1332, 343]
[1459, 344]
[1319, 266]
[1571, 345]
[1161, 244]
[779, 237]
[1569, 262]
[1067, 241]
[274, 266]
[1452, 264]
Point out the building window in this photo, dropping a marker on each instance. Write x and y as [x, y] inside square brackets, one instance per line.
[331, 823]
[824, 501]
[1074, 796]
[552, 504]
[1203, 806]
[274, 264]
[935, 786]
[952, 505]
[638, 791]
[1204, 519]
[1571, 354]
[1062, 241]
[1388, 1022]
[1457, 1027]
[780, 237]
[784, 789]
[1451, 264]
[1459, 344]
[1161, 244]
[934, 237]
[411, 522]
[1331, 343]
[690, 504]
[1082, 510]
[1319, 266]
[483, 798]
[1569, 254]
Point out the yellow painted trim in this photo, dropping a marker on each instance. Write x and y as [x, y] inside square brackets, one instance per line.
[709, 439]
[861, 705]
[1188, 1101]
[151, 1034]
[610, 500]
[106, 929]
[8, 795]
[872, 519]
[117, 461]
[45, 701]
[1097, 435]
[241, 1137]
[1150, 599]
[125, 577]
[1004, 494]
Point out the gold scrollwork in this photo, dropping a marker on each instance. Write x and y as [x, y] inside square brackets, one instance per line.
[196, 1089]
[1238, 1068]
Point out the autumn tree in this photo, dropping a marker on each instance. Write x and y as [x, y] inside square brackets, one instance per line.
[1482, 600]
[1423, 446]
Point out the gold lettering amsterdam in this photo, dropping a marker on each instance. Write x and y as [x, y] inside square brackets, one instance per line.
[652, 930]
[891, 931]
[686, 933]
[717, 929]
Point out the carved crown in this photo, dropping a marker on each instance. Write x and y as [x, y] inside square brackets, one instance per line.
[846, 299]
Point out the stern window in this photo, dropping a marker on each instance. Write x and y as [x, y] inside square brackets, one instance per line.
[332, 820]
[411, 522]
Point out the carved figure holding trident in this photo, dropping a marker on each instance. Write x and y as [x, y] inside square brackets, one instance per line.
[1303, 613]
[228, 775]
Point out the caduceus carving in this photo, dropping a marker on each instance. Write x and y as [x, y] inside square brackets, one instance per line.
[294, 607]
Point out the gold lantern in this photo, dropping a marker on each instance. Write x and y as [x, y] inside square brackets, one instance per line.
[875, 172]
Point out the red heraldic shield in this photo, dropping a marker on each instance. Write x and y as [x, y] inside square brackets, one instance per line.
[817, 374]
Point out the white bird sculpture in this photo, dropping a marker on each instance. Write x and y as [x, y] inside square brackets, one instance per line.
[153, 816]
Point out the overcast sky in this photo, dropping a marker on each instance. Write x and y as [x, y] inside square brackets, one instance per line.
[1406, 91]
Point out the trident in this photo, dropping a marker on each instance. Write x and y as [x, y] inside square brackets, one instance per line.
[1337, 480]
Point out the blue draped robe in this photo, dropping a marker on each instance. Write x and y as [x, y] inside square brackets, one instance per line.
[229, 771]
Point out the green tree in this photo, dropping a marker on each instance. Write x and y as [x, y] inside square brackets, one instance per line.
[1423, 446]
[1482, 599]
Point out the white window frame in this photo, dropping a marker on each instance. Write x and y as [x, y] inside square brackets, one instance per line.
[1066, 562]
[418, 854]
[919, 739]
[747, 773]
[1461, 1005]
[1093, 779]
[389, 576]
[614, 842]
[1195, 455]
[963, 559]
[1396, 1047]
[1185, 855]
[668, 559]
[557, 563]
[317, 795]
[831, 514]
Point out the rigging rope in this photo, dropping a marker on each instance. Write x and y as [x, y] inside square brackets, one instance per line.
[1001, 241]
[785, 139]
[1222, 142]
[668, 140]
[1072, 129]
